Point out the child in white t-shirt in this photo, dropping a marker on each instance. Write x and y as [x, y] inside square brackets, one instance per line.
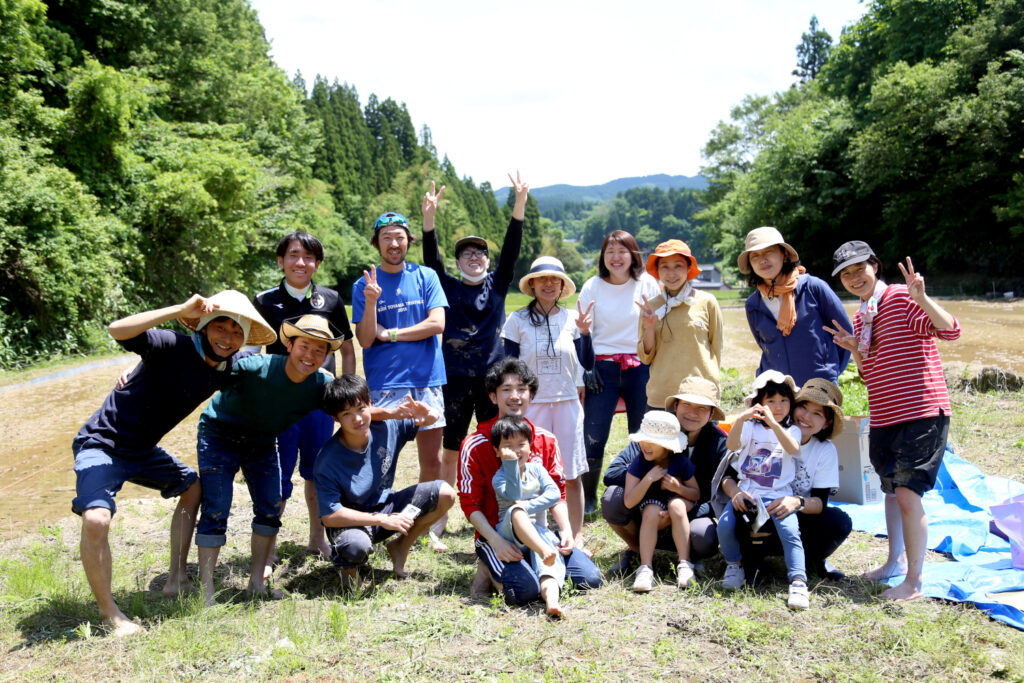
[763, 441]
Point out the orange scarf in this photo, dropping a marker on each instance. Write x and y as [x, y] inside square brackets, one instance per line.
[785, 289]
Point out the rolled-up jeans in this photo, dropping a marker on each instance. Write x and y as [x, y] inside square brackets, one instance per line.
[219, 461]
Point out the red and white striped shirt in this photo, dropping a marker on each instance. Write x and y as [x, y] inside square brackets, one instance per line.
[903, 371]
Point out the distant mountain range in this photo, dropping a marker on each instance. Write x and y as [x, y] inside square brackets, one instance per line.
[557, 195]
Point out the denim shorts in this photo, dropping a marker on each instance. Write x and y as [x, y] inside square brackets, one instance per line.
[432, 396]
[909, 454]
[99, 474]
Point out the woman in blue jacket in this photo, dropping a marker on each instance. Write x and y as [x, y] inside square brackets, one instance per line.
[788, 310]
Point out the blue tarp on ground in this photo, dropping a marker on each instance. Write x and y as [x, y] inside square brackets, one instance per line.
[958, 524]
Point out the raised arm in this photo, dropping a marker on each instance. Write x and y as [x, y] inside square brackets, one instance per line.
[940, 318]
[431, 256]
[134, 325]
[513, 241]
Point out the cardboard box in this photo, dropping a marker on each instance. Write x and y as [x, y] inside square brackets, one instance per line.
[858, 482]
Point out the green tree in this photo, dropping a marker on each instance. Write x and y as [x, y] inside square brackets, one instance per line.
[812, 52]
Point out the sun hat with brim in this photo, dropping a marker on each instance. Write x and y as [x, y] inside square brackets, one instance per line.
[469, 240]
[824, 393]
[547, 265]
[670, 248]
[660, 427]
[236, 306]
[762, 380]
[311, 326]
[762, 238]
[850, 253]
[697, 390]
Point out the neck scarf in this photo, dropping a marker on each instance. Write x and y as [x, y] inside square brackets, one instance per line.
[868, 311]
[784, 288]
[683, 296]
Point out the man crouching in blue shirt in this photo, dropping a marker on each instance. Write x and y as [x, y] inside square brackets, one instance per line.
[119, 441]
[355, 471]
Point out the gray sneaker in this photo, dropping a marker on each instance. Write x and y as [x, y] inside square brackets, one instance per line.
[734, 576]
[644, 581]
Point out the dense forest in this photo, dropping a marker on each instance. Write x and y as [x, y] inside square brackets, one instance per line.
[152, 149]
[908, 133]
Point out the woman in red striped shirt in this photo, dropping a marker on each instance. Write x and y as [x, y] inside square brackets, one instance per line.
[893, 344]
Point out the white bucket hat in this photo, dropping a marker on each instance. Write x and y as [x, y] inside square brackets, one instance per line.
[547, 265]
[762, 380]
[660, 427]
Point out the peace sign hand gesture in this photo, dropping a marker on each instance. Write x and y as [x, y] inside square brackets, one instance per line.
[841, 336]
[915, 281]
[522, 190]
[372, 290]
[647, 315]
[430, 202]
[584, 319]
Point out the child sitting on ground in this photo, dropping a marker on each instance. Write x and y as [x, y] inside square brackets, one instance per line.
[525, 491]
[893, 344]
[763, 440]
[661, 487]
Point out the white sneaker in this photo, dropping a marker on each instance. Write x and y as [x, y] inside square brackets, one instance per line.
[684, 574]
[798, 598]
[734, 576]
[644, 581]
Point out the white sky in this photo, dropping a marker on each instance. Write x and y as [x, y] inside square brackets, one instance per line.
[577, 92]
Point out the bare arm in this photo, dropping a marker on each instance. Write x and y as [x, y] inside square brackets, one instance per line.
[134, 325]
[347, 517]
[636, 488]
[366, 328]
[939, 317]
[348, 357]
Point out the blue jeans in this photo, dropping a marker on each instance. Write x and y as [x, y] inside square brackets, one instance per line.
[219, 461]
[521, 586]
[788, 529]
[598, 409]
[301, 443]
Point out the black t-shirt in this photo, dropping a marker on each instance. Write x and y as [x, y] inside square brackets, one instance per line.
[276, 305]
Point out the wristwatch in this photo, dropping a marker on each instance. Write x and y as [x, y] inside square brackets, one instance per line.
[802, 504]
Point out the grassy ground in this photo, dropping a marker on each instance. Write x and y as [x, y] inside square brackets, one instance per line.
[428, 627]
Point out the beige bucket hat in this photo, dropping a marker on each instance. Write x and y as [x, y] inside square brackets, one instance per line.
[697, 390]
[235, 305]
[762, 238]
[824, 393]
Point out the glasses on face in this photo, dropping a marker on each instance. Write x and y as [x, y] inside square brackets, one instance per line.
[394, 219]
[469, 252]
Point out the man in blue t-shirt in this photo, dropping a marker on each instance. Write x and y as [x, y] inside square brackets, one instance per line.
[119, 442]
[355, 472]
[472, 331]
[399, 312]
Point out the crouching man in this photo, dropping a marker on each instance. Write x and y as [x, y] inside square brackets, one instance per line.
[355, 471]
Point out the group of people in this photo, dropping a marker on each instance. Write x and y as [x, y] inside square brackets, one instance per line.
[543, 384]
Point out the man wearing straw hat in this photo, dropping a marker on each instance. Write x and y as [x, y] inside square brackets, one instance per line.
[695, 404]
[238, 429]
[119, 442]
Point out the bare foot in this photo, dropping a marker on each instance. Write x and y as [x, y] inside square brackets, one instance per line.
[550, 555]
[120, 626]
[481, 587]
[349, 578]
[264, 593]
[268, 571]
[555, 612]
[903, 592]
[398, 559]
[886, 571]
[173, 589]
[319, 547]
[436, 544]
